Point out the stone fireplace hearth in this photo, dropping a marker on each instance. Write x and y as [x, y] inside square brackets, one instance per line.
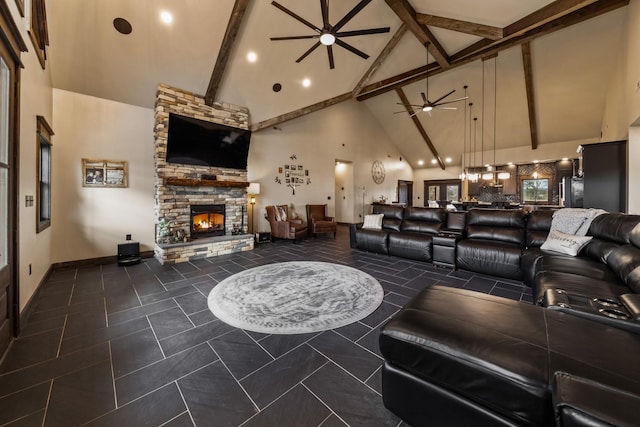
[179, 187]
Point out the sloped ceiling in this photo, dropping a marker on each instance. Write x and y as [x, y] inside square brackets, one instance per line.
[571, 68]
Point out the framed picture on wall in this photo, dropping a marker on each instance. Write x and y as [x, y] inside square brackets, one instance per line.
[104, 173]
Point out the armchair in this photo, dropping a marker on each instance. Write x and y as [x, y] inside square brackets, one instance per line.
[318, 220]
[282, 226]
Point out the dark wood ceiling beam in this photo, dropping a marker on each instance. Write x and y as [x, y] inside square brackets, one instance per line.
[484, 31]
[380, 59]
[465, 57]
[407, 15]
[300, 112]
[239, 8]
[416, 121]
[531, 103]
[548, 13]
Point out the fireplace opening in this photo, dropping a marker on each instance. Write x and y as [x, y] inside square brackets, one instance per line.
[207, 220]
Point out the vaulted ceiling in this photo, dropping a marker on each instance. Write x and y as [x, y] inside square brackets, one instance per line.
[537, 72]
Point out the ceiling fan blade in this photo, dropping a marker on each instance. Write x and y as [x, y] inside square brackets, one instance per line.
[424, 98]
[296, 17]
[304, 55]
[455, 100]
[351, 49]
[294, 37]
[446, 108]
[330, 53]
[363, 32]
[413, 111]
[443, 97]
[353, 12]
[324, 6]
[413, 105]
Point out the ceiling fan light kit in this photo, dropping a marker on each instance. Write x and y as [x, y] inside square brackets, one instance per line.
[327, 39]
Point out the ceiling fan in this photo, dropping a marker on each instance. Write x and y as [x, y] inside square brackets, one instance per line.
[328, 34]
[427, 105]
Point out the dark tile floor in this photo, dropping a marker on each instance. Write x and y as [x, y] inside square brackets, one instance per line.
[137, 346]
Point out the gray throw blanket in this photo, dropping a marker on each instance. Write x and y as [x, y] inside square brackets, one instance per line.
[574, 220]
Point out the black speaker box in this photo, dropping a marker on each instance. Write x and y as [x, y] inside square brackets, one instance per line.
[263, 237]
[128, 253]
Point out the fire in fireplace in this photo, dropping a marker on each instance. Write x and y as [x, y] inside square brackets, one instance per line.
[207, 220]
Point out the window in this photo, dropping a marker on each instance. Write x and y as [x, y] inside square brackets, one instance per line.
[453, 192]
[44, 175]
[39, 32]
[535, 190]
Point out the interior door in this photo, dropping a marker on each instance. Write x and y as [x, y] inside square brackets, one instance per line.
[7, 287]
[405, 192]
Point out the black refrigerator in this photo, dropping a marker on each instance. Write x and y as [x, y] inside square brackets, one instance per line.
[573, 191]
[605, 176]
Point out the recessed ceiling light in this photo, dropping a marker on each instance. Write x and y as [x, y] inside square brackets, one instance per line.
[536, 161]
[166, 17]
[122, 26]
[420, 162]
[306, 83]
[510, 163]
[448, 159]
[252, 57]
[434, 161]
[565, 159]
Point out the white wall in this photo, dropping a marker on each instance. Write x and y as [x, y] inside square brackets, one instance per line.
[346, 131]
[90, 222]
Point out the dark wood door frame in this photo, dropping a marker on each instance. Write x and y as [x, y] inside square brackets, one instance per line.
[442, 183]
[11, 46]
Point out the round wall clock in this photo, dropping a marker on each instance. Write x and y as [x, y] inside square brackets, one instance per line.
[377, 172]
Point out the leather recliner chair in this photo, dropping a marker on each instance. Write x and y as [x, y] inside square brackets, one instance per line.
[285, 228]
[318, 220]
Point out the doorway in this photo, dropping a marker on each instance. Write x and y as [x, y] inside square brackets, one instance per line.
[405, 192]
[9, 75]
[439, 191]
[344, 192]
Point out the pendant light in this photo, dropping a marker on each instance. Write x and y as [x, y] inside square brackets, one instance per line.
[473, 177]
[504, 174]
[485, 176]
[463, 169]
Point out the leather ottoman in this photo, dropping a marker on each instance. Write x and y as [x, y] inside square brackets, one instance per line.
[456, 357]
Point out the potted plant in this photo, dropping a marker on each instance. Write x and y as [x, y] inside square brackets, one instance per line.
[164, 231]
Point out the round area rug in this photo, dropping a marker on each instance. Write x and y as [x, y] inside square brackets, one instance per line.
[295, 297]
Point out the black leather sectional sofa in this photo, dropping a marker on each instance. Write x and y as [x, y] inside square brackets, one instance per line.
[456, 357]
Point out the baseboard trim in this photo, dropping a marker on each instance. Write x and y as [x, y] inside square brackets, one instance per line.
[94, 261]
[28, 308]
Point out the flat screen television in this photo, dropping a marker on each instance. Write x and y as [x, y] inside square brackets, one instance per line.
[198, 142]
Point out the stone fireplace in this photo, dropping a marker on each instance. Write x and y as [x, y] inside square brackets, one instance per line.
[180, 188]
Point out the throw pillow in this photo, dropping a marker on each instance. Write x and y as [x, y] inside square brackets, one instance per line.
[568, 244]
[373, 222]
[281, 214]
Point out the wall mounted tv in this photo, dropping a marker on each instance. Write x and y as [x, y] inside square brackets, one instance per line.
[198, 142]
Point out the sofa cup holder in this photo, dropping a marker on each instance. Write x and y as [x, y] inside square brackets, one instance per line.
[614, 314]
[607, 302]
